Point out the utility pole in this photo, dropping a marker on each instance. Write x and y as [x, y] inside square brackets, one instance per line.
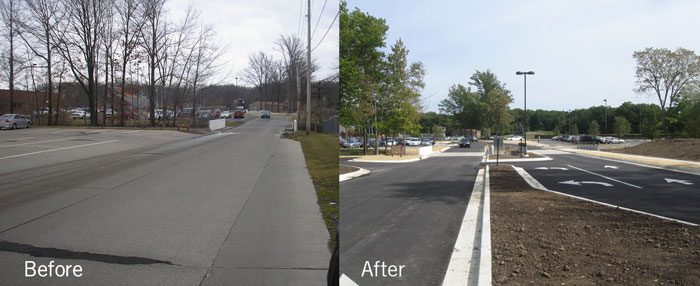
[298, 94]
[606, 115]
[308, 68]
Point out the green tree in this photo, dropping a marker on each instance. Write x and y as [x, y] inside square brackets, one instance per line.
[574, 129]
[464, 106]
[621, 126]
[666, 73]
[361, 62]
[594, 128]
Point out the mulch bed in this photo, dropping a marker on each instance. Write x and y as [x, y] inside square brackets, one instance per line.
[347, 169]
[541, 238]
[681, 149]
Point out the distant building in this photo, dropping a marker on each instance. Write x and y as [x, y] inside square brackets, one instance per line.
[268, 105]
[25, 102]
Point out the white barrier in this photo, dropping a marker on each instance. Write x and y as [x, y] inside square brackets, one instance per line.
[217, 124]
[425, 150]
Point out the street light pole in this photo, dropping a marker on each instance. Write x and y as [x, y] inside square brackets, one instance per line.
[606, 115]
[524, 74]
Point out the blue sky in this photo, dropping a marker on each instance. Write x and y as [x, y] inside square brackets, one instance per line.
[581, 51]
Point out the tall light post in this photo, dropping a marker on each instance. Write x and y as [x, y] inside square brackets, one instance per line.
[524, 74]
[606, 115]
[235, 94]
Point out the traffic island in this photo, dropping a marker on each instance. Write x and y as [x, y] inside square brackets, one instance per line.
[542, 238]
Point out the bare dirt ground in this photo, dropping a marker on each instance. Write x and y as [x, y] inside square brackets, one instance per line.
[681, 149]
[347, 169]
[541, 238]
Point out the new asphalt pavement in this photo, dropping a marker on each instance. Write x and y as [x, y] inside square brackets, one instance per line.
[406, 214]
[658, 191]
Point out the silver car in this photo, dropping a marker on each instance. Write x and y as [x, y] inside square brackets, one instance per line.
[14, 121]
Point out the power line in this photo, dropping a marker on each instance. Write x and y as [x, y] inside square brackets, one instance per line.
[301, 13]
[329, 28]
[319, 18]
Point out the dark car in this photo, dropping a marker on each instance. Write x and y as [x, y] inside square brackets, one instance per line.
[238, 114]
[473, 138]
[465, 143]
[265, 114]
[587, 140]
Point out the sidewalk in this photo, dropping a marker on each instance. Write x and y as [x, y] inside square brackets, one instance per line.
[396, 158]
[673, 164]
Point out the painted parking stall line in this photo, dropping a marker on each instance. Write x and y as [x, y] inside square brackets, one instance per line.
[57, 149]
[606, 177]
[37, 142]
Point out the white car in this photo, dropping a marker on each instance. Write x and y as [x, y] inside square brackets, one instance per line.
[412, 141]
[514, 138]
[226, 114]
[80, 114]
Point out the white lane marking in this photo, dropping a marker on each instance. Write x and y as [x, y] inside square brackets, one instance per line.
[685, 182]
[18, 139]
[571, 182]
[57, 149]
[465, 252]
[535, 184]
[552, 168]
[31, 143]
[610, 167]
[599, 175]
[346, 281]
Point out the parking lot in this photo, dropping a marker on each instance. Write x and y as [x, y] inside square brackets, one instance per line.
[30, 148]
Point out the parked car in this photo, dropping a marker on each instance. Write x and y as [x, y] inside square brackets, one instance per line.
[473, 139]
[263, 114]
[238, 114]
[514, 138]
[14, 121]
[352, 143]
[226, 114]
[412, 142]
[342, 143]
[601, 139]
[427, 142]
[80, 114]
[614, 140]
[557, 138]
[465, 143]
[587, 140]
[387, 142]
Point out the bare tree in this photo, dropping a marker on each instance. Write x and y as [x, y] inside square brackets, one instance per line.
[292, 51]
[153, 39]
[78, 44]
[42, 16]
[205, 60]
[130, 25]
[9, 10]
[258, 72]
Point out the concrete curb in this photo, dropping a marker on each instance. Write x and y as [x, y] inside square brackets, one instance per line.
[536, 185]
[400, 161]
[485, 259]
[470, 262]
[464, 267]
[352, 175]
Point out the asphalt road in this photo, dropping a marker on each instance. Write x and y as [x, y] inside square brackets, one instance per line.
[233, 208]
[653, 190]
[406, 214]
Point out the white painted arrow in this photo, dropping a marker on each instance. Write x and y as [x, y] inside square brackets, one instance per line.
[575, 183]
[552, 168]
[571, 182]
[685, 182]
[599, 183]
[611, 167]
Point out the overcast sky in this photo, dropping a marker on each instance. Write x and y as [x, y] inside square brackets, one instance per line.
[246, 27]
[580, 51]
